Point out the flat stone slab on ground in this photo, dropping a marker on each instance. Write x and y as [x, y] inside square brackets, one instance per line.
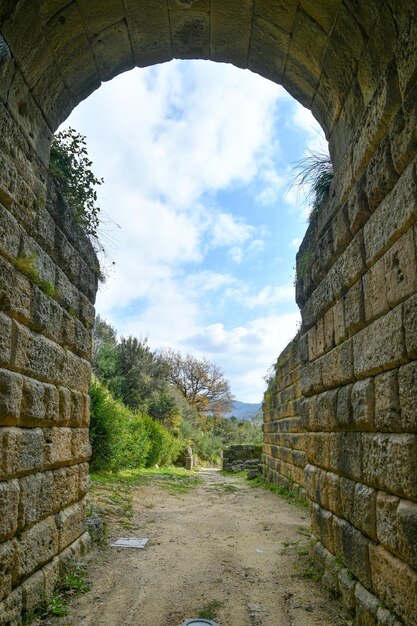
[130, 542]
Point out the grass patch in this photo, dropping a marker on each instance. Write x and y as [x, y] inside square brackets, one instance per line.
[309, 569]
[210, 610]
[290, 495]
[242, 474]
[27, 265]
[74, 584]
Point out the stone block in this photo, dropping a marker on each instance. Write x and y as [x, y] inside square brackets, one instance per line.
[38, 357]
[348, 268]
[88, 281]
[71, 524]
[319, 338]
[51, 576]
[357, 207]
[363, 404]
[318, 449]
[67, 294]
[269, 44]
[344, 418]
[407, 381]
[8, 568]
[410, 326]
[9, 500]
[5, 340]
[403, 133]
[341, 234]
[40, 404]
[353, 548]
[233, 44]
[311, 378]
[311, 481]
[73, 553]
[30, 506]
[364, 511]
[76, 373]
[346, 454]
[407, 531]
[37, 546]
[190, 33]
[21, 451]
[337, 365]
[401, 269]
[386, 618]
[380, 175]
[386, 520]
[46, 315]
[329, 331]
[322, 525]
[45, 230]
[395, 583]
[332, 482]
[87, 311]
[340, 332]
[393, 217]
[10, 233]
[67, 257]
[375, 123]
[11, 608]
[380, 346]
[10, 397]
[347, 497]
[390, 463]
[81, 447]
[405, 56]
[375, 291]
[33, 591]
[354, 308]
[58, 447]
[347, 584]
[387, 407]
[366, 606]
[308, 412]
[42, 265]
[326, 408]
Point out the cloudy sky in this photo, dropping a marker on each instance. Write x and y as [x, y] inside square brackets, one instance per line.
[198, 217]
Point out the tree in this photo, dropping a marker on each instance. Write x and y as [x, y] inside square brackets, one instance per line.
[104, 354]
[200, 382]
[139, 372]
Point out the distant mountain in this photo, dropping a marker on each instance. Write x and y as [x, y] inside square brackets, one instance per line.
[244, 410]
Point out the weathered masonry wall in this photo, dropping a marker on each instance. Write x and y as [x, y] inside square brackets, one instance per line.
[284, 446]
[357, 280]
[46, 315]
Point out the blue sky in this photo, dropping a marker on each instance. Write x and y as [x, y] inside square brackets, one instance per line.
[198, 216]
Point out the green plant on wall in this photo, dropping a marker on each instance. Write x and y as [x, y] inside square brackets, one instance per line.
[314, 173]
[70, 166]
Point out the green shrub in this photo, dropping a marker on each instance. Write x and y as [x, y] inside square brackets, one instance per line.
[106, 427]
[123, 439]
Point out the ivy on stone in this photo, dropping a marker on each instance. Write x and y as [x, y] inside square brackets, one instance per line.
[70, 166]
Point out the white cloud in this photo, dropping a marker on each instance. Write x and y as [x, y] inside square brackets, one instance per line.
[227, 230]
[166, 139]
[246, 351]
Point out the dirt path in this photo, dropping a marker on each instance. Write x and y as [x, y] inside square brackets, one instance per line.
[222, 547]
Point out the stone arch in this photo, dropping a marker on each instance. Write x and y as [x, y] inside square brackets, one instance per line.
[343, 392]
